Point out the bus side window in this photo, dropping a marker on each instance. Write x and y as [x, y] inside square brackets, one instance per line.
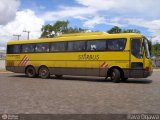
[110, 45]
[121, 43]
[96, 45]
[42, 47]
[58, 46]
[27, 48]
[93, 47]
[116, 44]
[13, 49]
[76, 46]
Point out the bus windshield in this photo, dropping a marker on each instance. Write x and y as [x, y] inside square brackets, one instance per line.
[146, 48]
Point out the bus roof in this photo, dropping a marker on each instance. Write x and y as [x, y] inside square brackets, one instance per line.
[78, 36]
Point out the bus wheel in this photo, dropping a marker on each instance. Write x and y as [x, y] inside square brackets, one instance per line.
[58, 76]
[30, 72]
[44, 72]
[124, 79]
[115, 75]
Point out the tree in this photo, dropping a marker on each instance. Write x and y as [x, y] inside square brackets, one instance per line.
[46, 30]
[57, 28]
[131, 31]
[156, 49]
[116, 29]
[60, 27]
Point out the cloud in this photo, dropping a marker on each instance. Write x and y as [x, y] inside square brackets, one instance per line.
[8, 9]
[67, 12]
[122, 13]
[125, 8]
[153, 26]
[92, 22]
[146, 8]
[24, 20]
[93, 12]
[141, 13]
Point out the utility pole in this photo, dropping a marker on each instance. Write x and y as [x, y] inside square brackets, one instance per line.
[17, 35]
[27, 33]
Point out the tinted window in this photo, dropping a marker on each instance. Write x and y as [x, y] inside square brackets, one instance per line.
[59, 46]
[96, 45]
[76, 46]
[42, 47]
[28, 48]
[13, 49]
[116, 44]
[136, 48]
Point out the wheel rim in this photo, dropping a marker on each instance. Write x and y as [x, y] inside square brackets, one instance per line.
[30, 72]
[113, 75]
[43, 72]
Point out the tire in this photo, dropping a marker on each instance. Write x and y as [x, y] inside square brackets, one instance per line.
[30, 72]
[44, 72]
[58, 76]
[124, 79]
[115, 75]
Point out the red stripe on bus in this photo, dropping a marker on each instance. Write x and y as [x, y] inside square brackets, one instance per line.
[22, 60]
[26, 59]
[104, 65]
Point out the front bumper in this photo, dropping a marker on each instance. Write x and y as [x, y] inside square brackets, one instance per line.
[137, 73]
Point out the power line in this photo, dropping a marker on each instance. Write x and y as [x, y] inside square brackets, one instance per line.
[17, 35]
[27, 33]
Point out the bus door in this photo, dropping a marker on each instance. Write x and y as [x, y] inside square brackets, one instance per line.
[136, 58]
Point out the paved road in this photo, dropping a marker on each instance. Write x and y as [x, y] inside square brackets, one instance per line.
[19, 94]
[2, 64]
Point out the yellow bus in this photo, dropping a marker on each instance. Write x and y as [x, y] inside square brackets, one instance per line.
[118, 56]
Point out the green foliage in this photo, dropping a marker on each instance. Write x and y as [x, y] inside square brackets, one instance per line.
[156, 49]
[131, 31]
[47, 30]
[116, 29]
[58, 27]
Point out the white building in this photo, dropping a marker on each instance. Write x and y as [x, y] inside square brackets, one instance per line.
[2, 55]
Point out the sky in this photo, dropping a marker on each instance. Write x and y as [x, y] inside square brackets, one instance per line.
[101, 15]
